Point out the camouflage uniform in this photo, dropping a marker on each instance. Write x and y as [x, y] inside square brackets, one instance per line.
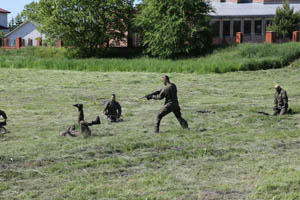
[84, 125]
[171, 105]
[112, 110]
[281, 102]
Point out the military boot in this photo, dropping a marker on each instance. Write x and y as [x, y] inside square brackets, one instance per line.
[79, 106]
[97, 121]
[156, 127]
[184, 124]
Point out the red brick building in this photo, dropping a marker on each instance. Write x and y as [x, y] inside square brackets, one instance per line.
[251, 17]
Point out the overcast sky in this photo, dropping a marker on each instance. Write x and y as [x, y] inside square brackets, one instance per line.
[15, 6]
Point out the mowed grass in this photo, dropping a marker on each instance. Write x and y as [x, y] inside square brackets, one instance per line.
[243, 57]
[233, 153]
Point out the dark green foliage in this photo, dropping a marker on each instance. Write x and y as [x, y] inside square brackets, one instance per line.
[174, 27]
[2, 34]
[85, 25]
[285, 21]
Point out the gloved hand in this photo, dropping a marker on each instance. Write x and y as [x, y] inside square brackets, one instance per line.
[149, 97]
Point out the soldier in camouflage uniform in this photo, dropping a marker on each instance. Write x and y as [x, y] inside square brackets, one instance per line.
[169, 92]
[3, 123]
[280, 101]
[113, 109]
[84, 125]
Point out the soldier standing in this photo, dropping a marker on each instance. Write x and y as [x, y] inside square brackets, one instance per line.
[84, 125]
[280, 101]
[169, 92]
[113, 109]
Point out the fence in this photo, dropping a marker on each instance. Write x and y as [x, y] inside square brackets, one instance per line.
[20, 43]
[270, 37]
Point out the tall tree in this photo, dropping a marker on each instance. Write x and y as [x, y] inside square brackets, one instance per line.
[30, 12]
[172, 27]
[85, 24]
[15, 22]
[285, 21]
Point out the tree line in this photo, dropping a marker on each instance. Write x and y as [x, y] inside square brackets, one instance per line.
[166, 28]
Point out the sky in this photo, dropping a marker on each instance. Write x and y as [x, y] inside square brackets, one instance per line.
[15, 6]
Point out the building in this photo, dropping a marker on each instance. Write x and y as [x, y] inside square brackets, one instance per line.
[3, 20]
[26, 31]
[251, 17]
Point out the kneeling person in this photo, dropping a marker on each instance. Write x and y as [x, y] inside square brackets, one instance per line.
[280, 101]
[84, 125]
[113, 110]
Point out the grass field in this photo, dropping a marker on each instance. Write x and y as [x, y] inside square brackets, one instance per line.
[244, 57]
[233, 153]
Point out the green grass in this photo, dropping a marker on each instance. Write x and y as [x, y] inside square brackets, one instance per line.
[241, 155]
[242, 57]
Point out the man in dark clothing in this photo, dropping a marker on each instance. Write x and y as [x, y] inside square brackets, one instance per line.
[280, 101]
[169, 92]
[113, 110]
[3, 123]
[84, 125]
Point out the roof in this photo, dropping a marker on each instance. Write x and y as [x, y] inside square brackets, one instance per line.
[19, 27]
[2, 27]
[3, 11]
[246, 9]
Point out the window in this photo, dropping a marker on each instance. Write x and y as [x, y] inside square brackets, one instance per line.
[236, 27]
[269, 22]
[226, 28]
[215, 28]
[258, 27]
[247, 27]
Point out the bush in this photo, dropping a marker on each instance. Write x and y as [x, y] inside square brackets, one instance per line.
[234, 58]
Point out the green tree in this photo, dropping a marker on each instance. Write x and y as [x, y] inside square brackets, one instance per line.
[30, 12]
[15, 22]
[2, 35]
[285, 21]
[85, 24]
[173, 27]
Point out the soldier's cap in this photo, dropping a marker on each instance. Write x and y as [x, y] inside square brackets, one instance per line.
[277, 86]
[78, 105]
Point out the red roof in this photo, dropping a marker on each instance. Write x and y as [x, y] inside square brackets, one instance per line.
[3, 11]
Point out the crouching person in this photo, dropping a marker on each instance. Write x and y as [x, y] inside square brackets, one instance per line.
[84, 125]
[280, 101]
[113, 110]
